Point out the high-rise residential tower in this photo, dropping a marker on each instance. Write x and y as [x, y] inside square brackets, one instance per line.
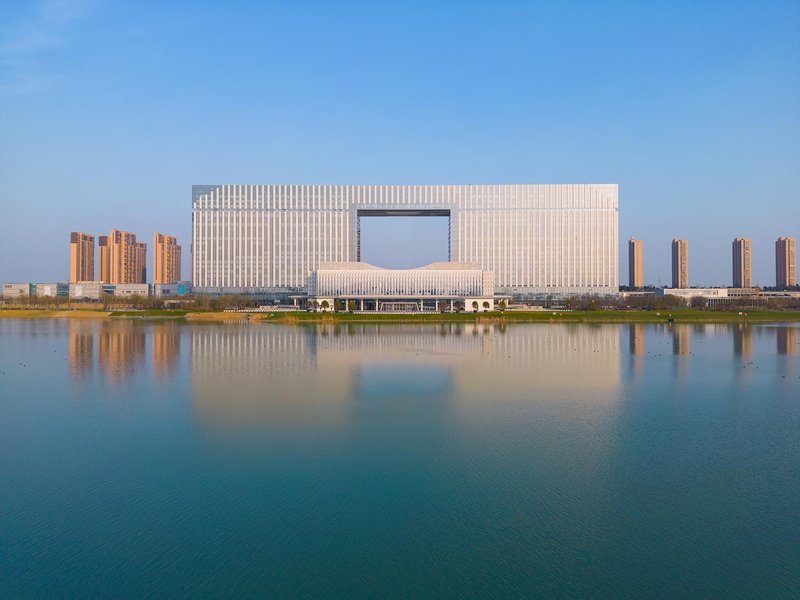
[104, 260]
[81, 257]
[122, 258]
[785, 262]
[635, 266]
[166, 259]
[680, 264]
[140, 271]
[741, 263]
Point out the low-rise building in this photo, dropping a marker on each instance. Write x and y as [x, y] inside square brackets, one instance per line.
[171, 290]
[424, 288]
[52, 290]
[689, 293]
[90, 290]
[17, 291]
[126, 290]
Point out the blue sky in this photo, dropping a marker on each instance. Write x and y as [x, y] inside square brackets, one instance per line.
[110, 111]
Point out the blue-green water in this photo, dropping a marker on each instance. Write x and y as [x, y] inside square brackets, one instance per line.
[165, 460]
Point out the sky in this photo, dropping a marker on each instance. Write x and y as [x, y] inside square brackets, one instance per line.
[110, 111]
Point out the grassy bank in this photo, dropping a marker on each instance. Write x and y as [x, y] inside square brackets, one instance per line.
[596, 316]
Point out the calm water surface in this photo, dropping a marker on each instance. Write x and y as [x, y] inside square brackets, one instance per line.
[167, 460]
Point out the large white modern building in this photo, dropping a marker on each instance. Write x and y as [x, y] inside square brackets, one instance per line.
[535, 239]
[442, 281]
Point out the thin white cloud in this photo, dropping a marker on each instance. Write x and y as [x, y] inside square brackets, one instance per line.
[27, 40]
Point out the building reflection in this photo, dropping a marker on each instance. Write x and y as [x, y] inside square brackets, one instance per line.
[636, 338]
[286, 374]
[80, 348]
[120, 349]
[165, 349]
[680, 340]
[787, 340]
[743, 339]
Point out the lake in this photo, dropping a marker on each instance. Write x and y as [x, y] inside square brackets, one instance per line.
[160, 459]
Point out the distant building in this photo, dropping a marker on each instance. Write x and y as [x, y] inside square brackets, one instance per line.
[785, 263]
[170, 290]
[81, 257]
[741, 263]
[126, 290]
[689, 293]
[166, 259]
[635, 266]
[680, 264]
[122, 258]
[90, 290]
[16, 291]
[52, 290]
[103, 259]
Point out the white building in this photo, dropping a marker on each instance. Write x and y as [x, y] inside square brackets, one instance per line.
[689, 293]
[536, 239]
[90, 290]
[463, 282]
[126, 290]
[15, 291]
[52, 290]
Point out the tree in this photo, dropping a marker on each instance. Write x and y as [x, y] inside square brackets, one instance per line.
[486, 305]
[474, 306]
[459, 306]
[698, 302]
[351, 305]
[442, 304]
[501, 305]
[325, 305]
[337, 305]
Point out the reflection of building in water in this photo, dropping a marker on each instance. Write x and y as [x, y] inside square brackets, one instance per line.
[787, 340]
[636, 338]
[636, 346]
[80, 347]
[743, 339]
[120, 346]
[280, 373]
[166, 347]
[680, 340]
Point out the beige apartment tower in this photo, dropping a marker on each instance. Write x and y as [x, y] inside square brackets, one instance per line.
[122, 258]
[680, 264]
[81, 257]
[166, 259]
[741, 263]
[635, 266]
[785, 263]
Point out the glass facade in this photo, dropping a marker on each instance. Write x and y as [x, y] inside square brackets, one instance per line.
[360, 280]
[535, 239]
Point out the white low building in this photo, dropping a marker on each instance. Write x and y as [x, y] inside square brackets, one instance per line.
[15, 291]
[90, 290]
[402, 289]
[52, 290]
[126, 290]
[689, 293]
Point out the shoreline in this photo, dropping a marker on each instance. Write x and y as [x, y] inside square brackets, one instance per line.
[508, 317]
